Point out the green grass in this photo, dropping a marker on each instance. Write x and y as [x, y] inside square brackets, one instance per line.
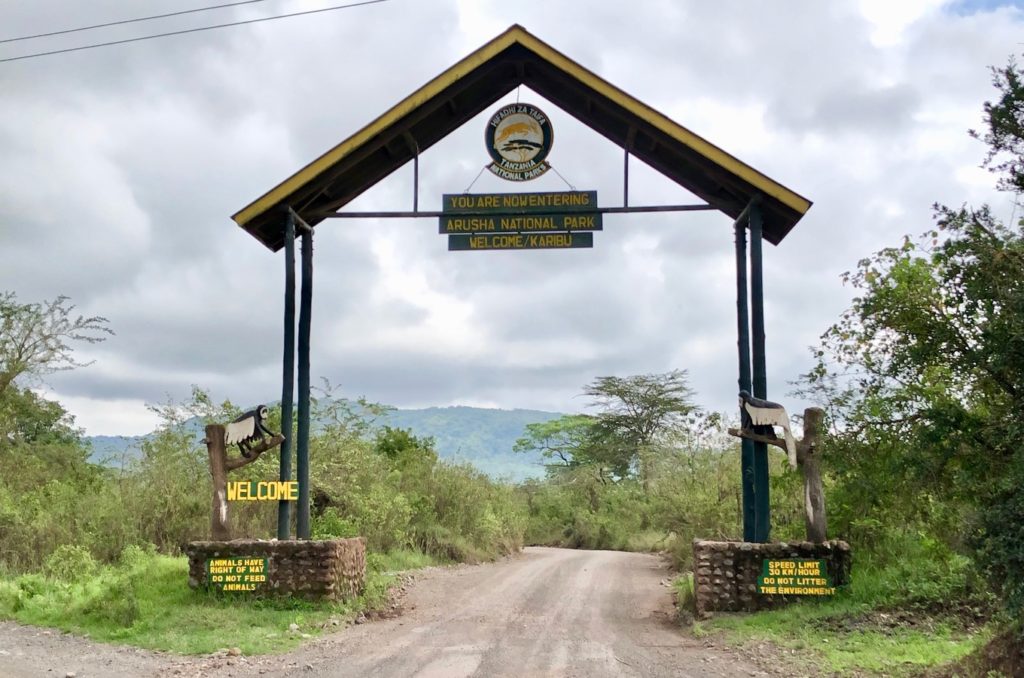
[839, 637]
[686, 600]
[146, 602]
[912, 604]
[401, 560]
[648, 541]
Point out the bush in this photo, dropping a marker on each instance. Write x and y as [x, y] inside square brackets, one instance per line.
[330, 525]
[110, 599]
[70, 563]
[12, 598]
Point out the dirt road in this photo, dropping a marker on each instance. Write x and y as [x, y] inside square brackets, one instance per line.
[548, 612]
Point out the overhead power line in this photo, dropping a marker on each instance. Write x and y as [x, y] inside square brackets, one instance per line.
[128, 21]
[191, 30]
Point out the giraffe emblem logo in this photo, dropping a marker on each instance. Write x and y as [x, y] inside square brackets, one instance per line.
[518, 139]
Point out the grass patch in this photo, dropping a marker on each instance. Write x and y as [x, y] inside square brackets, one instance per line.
[686, 596]
[842, 638]
[648, 541]
[145, 601]
[898, 616]
[400, 561]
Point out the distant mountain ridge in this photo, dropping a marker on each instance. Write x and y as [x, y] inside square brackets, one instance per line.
[480, 436]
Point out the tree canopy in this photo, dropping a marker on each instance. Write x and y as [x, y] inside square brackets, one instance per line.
[924, 374]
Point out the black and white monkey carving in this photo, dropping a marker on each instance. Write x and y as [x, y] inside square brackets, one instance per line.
[247, 428]
[759, 416]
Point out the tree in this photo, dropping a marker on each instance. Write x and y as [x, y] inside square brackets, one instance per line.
[635, 412]
[1005, 133]
[932, 353]
[36, 338]
[564, 441]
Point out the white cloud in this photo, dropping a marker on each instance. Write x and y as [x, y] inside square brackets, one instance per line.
[119, 169]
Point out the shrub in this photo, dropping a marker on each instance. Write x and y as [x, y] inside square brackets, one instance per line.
[110, 599]
[70, 563]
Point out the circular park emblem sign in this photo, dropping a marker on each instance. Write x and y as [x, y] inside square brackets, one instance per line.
[519, 139]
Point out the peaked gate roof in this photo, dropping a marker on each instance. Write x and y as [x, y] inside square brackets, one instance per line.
[514, 58]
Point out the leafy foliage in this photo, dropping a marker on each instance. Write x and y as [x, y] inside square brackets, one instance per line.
[1005, 133]
[36, 338]
[635, 415]
[924, 376]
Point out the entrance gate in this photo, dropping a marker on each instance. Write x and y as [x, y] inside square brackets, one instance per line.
[317, 192]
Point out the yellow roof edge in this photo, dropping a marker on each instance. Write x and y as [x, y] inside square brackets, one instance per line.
[518, 34]
[713, 153]
[275, 195]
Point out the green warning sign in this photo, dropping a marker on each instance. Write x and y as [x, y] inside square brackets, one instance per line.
[795, 577]
[519, 241]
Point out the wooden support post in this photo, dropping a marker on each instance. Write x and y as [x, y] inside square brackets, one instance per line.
[808, 457]
[762, 517]
[220, 529]
[302, 527]
[743, 344]
[288, 374]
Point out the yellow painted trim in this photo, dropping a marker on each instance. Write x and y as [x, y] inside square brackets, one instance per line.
[666, 125]
[517, 34]
[421, 96]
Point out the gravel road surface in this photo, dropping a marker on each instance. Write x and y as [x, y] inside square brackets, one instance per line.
[547, 612]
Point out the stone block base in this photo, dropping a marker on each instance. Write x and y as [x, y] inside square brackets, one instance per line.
[725, 572]
[316, 570]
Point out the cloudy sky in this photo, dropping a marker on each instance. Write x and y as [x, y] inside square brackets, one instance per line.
[120, 167]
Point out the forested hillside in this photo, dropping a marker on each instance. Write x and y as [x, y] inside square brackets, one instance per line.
[482, 437]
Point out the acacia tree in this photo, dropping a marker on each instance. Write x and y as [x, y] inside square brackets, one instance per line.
[36, 339]
[565, 442]
[932, 351]
[633, 414]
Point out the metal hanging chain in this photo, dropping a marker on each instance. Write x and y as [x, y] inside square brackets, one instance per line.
[571, 187]
[482, 169]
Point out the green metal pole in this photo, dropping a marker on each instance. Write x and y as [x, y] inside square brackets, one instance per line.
[743, 342]
[762, 512]
[302, 447]
[288, 377]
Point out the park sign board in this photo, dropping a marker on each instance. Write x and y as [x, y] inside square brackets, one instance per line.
[795, 577]
[518, 138]
[263, 490]
[520, 221]
[519, 203]
[519, 241]
[236, 574]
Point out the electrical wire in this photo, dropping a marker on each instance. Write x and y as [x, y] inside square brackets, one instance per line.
[190, 30]
[128, 21]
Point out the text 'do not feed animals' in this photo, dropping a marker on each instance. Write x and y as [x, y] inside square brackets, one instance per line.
[248, 427]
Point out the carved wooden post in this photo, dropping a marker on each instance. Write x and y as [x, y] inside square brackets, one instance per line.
[219, 467]
[219, 530]
[809, 458]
